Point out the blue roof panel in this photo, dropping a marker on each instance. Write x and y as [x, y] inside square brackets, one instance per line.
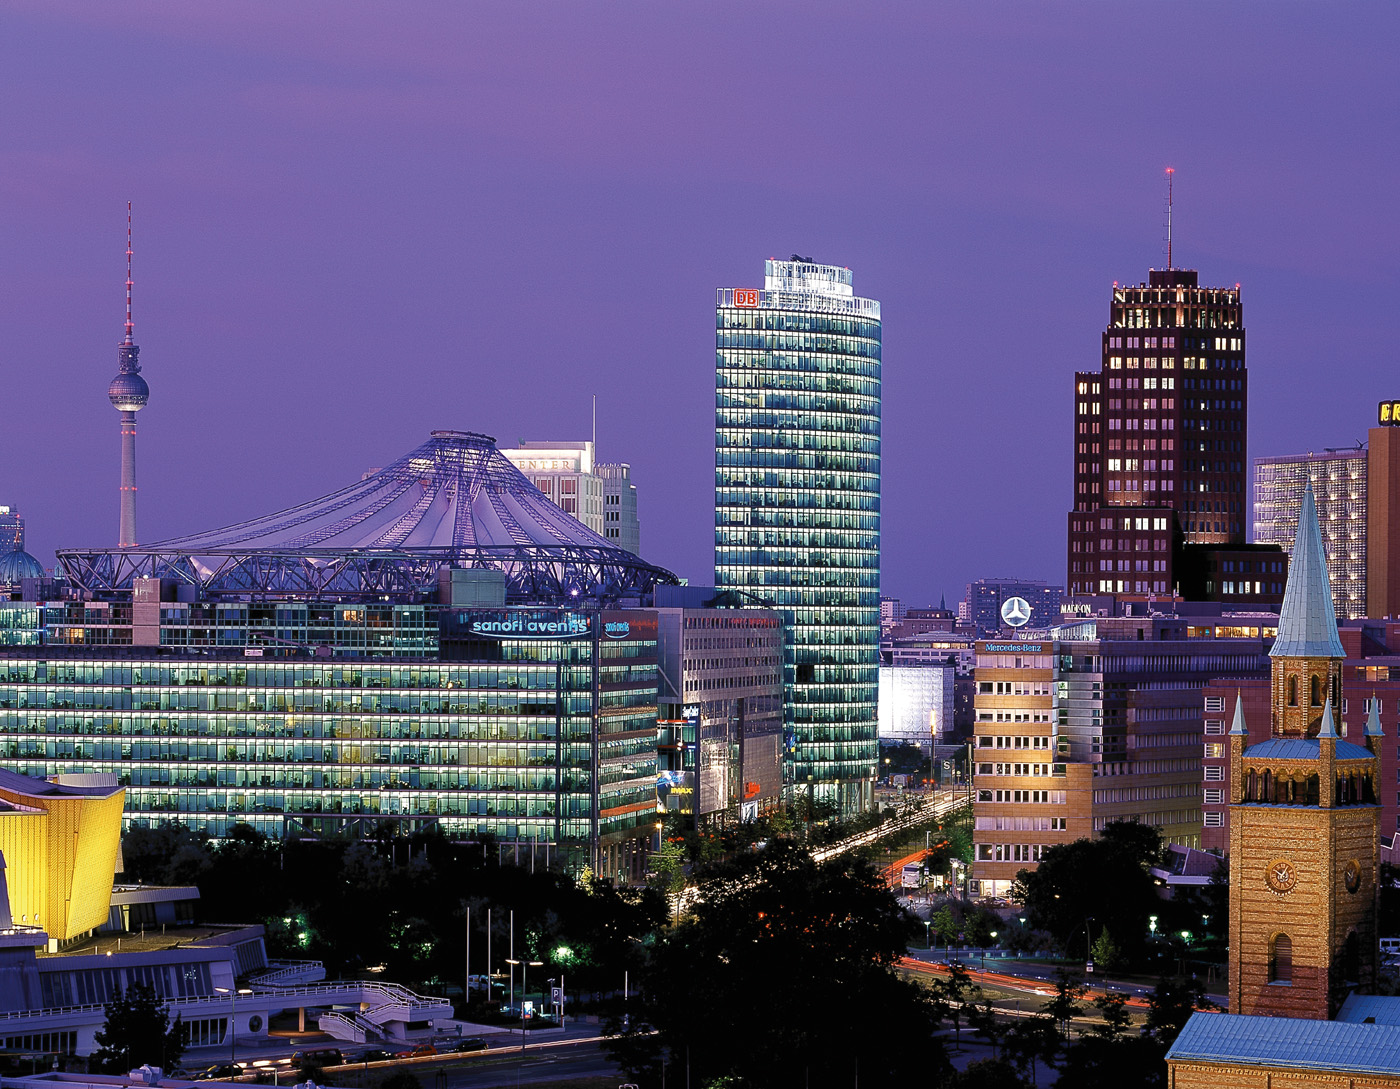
[1303, 748]
[1384, 1009]
[1340, 1046]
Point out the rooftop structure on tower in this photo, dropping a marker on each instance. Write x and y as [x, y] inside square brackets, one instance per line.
[1307, 623]
[454, 502]
[128, 393]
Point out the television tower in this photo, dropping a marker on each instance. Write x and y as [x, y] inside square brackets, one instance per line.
[128, 394]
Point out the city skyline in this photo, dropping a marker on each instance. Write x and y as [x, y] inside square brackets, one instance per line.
[345, 244]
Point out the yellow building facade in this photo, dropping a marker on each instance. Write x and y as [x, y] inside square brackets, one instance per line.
[60, 843]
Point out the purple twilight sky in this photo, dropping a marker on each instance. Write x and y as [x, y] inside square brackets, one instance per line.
[356, 222]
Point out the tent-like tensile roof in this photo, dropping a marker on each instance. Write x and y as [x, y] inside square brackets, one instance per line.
[454, 501]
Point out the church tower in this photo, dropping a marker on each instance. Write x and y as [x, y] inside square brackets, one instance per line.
[1303, 818]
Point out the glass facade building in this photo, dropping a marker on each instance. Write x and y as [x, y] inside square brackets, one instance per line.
[533, 725]
[797, 505]
[1339, 485]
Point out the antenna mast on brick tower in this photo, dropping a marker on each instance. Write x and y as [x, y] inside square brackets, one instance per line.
[1171, 171]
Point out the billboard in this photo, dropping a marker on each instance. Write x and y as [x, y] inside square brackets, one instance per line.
[516, 624]
[631, 625]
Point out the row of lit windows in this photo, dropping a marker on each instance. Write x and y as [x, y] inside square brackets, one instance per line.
[805, 382]
[791, 518]
[818, 444]
[285, 673]
[811, 321]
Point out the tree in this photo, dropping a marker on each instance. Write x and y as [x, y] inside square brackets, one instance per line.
[1113, 1006]
[803, 955]
[953, 993]
[1031, 1040]
[1105, 952]
[944, 924]
[137, 1031]
[1106, 879]
[667, 870]
[1066, 1004]
[1171, 1005]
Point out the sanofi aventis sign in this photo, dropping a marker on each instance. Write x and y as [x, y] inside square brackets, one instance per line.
[525, 625]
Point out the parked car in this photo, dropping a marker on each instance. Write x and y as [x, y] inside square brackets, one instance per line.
[218, 1071]
[471, 1043]
[318, 1056]
[415, 1051]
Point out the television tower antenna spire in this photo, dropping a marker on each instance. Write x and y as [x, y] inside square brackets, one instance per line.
[129, 339]
[1170, 172]
[128, 393]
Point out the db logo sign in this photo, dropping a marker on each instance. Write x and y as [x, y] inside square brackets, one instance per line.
[746, 296]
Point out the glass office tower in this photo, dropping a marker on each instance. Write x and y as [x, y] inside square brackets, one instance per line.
[797, 505]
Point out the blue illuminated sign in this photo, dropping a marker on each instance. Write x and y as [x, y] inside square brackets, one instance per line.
[522, 625]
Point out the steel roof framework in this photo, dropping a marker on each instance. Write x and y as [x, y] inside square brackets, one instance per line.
[455, 501]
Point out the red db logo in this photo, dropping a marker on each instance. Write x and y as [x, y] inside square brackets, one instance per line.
[746, 296]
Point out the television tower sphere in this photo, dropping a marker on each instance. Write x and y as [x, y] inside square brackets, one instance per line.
[128, 392]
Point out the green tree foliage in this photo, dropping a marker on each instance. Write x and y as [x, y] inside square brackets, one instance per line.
[137, 1031]
[1170, 1006]
[783, 973]
[1105, 952]
[666, 869]
[944, 925]
[1113, 1007]
[1065, 1004]
[1105, 878]
[399, 903]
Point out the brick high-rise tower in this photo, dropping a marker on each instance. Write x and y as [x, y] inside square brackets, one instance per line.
[1303, 819]
[1160, 436]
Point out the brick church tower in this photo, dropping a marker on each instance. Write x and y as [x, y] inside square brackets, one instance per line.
[1303, 819]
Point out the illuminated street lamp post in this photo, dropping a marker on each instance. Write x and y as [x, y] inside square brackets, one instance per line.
[524, 964]
[233, 993]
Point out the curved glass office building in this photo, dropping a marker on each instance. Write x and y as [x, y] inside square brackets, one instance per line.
[797, 504]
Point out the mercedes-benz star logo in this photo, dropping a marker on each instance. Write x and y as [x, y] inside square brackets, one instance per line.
[1015, 612]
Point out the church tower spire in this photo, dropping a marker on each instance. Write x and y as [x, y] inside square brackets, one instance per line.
[1303, 819]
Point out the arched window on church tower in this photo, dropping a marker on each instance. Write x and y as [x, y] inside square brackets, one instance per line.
[1292, 691]
[1268, 792]
[1253, 788]
[1281, 959]
[1316, 689]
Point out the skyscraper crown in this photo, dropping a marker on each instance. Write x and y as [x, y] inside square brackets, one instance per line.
[1307, 624]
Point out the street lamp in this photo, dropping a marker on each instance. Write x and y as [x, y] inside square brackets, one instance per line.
[524, 964]
[927, 924]
[233, 993]
[984, 953]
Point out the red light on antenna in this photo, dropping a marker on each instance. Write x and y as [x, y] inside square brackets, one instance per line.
[1171, 170]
